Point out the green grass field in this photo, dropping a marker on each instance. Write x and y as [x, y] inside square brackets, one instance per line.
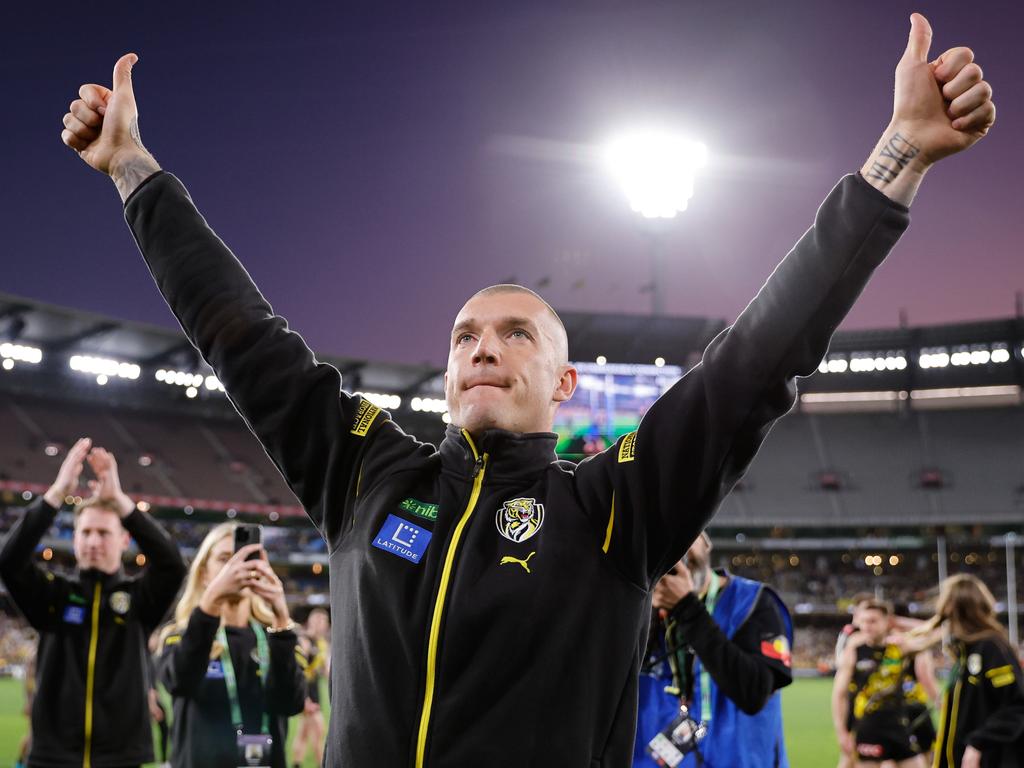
[809, 736]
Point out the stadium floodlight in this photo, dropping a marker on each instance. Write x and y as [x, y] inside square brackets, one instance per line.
[936, 357]
[1000, 354]
[660, 362]
[382, 400]
[104, 368]
[19, 353]
[191, 381]
[601, 360]
[428, 404]
[656, 171]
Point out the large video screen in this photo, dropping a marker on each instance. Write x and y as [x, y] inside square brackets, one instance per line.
[609, 402]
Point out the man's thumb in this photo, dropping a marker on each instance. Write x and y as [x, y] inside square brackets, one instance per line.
[920, 39]
[123, 74]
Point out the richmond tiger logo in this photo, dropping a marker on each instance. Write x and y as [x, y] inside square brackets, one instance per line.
[519, 519]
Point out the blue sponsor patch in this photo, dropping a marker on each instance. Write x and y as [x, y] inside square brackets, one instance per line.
[215, 670]
[402, 538]
[74, 614]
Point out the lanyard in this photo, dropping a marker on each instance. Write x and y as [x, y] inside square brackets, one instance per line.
[705, 678]
[229, 673]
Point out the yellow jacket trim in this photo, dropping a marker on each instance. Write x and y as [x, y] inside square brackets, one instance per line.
[442, 591]
[611, 522]
[90, 676]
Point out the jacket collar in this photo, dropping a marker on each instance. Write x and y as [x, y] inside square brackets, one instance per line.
[509, 454]
[92, 575]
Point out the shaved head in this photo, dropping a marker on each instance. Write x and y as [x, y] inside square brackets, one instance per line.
[558, 333]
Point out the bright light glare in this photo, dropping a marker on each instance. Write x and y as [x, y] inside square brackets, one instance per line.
[656, 171]
[103, 367]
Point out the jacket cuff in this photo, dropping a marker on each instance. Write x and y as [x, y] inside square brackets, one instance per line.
[139, 188]
[863, 183]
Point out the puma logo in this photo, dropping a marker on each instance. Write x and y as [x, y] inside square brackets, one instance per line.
[510, 559]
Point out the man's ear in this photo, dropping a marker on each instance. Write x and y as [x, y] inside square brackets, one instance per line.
[566, 384]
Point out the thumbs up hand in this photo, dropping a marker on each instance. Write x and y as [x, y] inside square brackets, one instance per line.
[102, 126]
[940, 108]
[944, 106]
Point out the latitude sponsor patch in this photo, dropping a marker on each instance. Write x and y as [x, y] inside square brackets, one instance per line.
[402, 538]
[74, 614]
[419, 508]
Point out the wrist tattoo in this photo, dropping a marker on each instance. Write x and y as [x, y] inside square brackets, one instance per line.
[132, 173]
[894, 156]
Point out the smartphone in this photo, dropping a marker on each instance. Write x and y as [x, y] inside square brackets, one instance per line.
[247, 533]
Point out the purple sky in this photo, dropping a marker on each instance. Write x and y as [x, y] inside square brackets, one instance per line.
[372, 164]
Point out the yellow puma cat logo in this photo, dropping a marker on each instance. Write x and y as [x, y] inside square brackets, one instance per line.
[510, 559]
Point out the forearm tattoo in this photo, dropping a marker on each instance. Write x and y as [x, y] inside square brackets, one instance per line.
[894, 156]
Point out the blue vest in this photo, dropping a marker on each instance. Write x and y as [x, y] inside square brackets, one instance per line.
[734, 739]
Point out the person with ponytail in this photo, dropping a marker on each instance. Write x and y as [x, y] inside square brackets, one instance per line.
[229, 660]
[982, 724]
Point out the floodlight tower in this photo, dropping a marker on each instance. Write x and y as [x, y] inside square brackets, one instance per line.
[656, 171]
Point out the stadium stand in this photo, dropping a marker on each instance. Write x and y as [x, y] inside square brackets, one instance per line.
[905, 441]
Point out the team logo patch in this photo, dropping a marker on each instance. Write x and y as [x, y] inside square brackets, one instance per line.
[74, 614]
[777, 648]
[974, 663]
[402, 538]
[120, 602]
[419, 508]
[519, 519]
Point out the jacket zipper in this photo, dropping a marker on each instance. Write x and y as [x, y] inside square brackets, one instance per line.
[90, 675]
[479, 468]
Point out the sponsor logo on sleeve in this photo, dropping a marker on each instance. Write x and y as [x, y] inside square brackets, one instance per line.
[400, 537]
[627, 448]
[365, 415]
[519, 519]
[1001, 676]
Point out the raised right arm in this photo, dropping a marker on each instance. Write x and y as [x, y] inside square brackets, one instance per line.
[313, 431]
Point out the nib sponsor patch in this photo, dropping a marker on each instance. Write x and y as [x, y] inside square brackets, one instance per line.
[419, 508]
[400, 537]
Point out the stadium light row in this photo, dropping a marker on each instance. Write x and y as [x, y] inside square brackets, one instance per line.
[928, 357]
[104, 369]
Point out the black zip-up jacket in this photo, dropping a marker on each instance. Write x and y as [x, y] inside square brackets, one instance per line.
[491, 602]
[91, 671]
[984, 707]
[203, 735]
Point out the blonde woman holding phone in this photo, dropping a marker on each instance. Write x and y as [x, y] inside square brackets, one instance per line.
[229, 660]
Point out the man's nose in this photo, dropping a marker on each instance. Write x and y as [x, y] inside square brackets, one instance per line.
[486, 350]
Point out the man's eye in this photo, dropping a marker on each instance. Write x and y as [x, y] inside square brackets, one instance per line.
[463, 337]
[520, 333]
